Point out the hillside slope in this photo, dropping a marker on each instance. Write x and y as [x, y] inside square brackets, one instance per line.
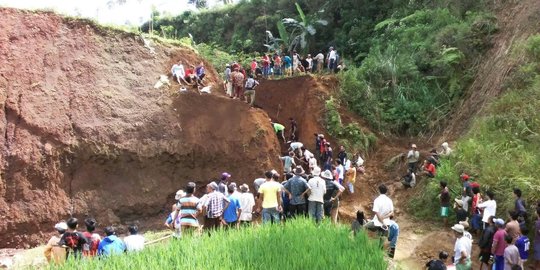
[517, 20]
[85, 132]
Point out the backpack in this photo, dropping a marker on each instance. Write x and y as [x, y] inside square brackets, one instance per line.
[72, 240]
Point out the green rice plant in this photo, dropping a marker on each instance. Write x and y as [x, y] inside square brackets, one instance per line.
[298, 244]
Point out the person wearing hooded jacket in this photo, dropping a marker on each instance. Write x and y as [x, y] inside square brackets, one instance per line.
[111, 244]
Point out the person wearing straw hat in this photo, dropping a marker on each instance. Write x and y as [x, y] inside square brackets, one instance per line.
[53, 252]
[462, 248]
[331, 197]
[299, 188]
[317, 187]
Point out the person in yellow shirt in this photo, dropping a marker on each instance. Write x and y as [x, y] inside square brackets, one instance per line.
[270, 196]
[350, 178]
[53, 251]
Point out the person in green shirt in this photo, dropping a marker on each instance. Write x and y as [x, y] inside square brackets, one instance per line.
[279, 129]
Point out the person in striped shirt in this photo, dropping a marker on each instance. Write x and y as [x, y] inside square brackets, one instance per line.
[187, 209]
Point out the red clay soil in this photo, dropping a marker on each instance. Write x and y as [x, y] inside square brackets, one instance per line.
[84, 131]
[517, 20]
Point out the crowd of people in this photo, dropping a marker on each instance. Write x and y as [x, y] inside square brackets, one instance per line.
[69, 242]
[501, 239]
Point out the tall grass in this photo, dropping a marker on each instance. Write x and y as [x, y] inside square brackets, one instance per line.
[298, 244]
[501, 149]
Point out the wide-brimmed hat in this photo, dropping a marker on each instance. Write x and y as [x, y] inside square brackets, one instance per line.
[179, 194]
[459, 202]
[458, 228]
[413, 145]
[299, 170]
[316, 171]
[327, 175]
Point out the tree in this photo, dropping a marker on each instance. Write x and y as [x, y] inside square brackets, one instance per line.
[295, 33]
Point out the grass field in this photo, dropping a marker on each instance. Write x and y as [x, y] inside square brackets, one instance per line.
[298, 244]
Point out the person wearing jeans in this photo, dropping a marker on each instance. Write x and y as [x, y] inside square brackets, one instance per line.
[270, 199]
[317, 187]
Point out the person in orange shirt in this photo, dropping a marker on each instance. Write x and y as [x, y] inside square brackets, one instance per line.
[53, 251]
[429, 169]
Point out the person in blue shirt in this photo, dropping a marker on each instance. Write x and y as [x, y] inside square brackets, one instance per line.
[523, 244]
[111, 245]
[200, 72]
[287, 61]
[393, 233]
[233, 211]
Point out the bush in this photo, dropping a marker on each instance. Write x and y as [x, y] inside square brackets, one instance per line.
[298, 245]
[501, 149]
[417, 69]
[351, 135]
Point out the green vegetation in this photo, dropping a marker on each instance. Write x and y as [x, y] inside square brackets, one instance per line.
[350, 135]
[501, 149]
[297, 245]
[417, 68]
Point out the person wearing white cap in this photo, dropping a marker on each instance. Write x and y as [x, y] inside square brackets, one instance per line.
[53, 252]
[316, 195]
[446, 149]
[462, 248]
[499, 244]
[412, 157]
[247, 202]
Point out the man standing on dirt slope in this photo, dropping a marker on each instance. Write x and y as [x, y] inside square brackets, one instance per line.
[489, 207]
[299, 188]
[238, 83]
[412, 157]
[328, 157]
[250, 90]
[279, 129]
[462, 249]
[332, 59]
[213, 206]
[277, 70]
[288, 65]
[350, 178]
[270, 198]
[444, 198]
[296, 147]
[317, 188]
[228, 81]
[383, 208]
[288, 162]
[309, 158]
[340, 171]
[318, 62]
[294, 130]
[253, 67]
[266, 66]
[485, 243]
[342, 155]
[499, 244]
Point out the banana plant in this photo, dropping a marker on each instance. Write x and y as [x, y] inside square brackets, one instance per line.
[295, 33]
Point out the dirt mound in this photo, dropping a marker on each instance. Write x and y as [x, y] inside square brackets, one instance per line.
[517, 20]
[85, 132]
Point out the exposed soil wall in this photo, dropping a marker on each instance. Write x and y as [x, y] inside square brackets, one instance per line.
[84, 131]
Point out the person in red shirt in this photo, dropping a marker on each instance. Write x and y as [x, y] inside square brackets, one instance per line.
[254, 67]
[190, 76]
[429, 169]
[266, 65]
